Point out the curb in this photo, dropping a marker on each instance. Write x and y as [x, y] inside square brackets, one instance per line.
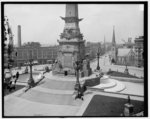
[134, 80]
[100, 90]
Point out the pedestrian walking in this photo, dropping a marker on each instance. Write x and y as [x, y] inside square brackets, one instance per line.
[17, 76]
[84, 88]
[9, 86]
[12, 84]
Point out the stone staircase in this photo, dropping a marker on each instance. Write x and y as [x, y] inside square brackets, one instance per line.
[109, 85]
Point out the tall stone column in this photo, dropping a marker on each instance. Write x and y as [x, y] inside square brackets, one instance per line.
[71, 41]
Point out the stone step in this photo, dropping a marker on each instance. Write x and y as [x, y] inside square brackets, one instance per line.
[30, 108]
[119, 87]
[47, 98]
[57, 85]
[109, 84]
[53, 91]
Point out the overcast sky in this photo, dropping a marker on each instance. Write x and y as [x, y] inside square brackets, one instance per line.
[42, 23]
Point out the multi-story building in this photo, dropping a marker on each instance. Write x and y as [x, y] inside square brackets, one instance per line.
[129, 43]
[33, 50]
[139, 51]
[8, 44]
[39, 54]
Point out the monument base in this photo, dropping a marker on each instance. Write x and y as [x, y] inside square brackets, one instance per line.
[128, 109]
[63, 72]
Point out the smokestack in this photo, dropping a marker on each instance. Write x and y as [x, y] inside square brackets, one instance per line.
[19, 36]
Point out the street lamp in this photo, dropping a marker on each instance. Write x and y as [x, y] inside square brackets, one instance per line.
[77, 68]
[98, 53]
[30, 81]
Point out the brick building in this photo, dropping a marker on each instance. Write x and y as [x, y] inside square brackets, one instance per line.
[32, 50]
[40, 54]
[139, 51]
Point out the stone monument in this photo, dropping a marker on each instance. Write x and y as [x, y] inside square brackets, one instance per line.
[71, 43]
[87, 71]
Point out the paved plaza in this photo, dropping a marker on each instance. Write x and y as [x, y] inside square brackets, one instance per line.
[106, 65]
[54, 96]
[96, 72]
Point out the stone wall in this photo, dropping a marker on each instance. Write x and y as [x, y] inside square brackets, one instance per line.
[92, 82]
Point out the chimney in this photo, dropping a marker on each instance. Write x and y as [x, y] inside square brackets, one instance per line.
[19, 36]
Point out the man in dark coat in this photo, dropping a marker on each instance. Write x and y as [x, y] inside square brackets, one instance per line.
[79, 95]
[17, 76]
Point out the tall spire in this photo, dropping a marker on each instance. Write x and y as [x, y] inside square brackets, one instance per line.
[113, 38]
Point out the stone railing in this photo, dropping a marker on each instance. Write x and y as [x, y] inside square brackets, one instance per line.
[91, 81]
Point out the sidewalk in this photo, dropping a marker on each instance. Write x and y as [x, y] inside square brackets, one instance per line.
[129, 67]
[39, 101]
[30, 108]
[119, 66]
[54, 96]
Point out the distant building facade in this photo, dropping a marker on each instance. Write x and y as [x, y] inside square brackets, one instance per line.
[130, 54]
[125, 56]
[7, 44]
[91, 49]
[129, 43]
[139, 51]
[39, 54]
[32, 50]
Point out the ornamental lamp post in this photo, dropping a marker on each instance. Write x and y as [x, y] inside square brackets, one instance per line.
[30, 81]
[98, 55]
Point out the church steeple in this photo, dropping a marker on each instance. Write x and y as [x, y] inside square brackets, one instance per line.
[113, 37]
[114, 48]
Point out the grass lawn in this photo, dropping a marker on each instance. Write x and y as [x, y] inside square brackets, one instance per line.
[110, 106]
[120, 74]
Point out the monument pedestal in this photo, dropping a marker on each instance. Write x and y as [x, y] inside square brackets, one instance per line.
[126, 71]
[86, 68]
[128, 109]
[71, 43]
